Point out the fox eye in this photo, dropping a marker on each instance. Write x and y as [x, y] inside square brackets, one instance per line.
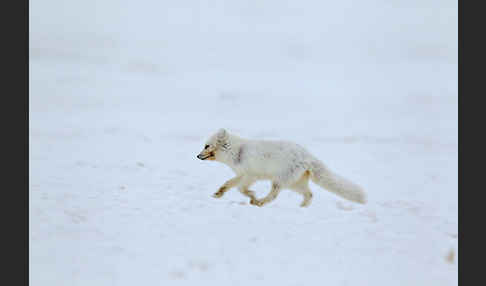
[206, 147]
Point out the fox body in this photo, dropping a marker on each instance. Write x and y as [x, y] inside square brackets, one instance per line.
[287, 165]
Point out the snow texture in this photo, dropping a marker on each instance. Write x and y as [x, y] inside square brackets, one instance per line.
[123, 95]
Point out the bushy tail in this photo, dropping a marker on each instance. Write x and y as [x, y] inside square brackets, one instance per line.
[336, 184]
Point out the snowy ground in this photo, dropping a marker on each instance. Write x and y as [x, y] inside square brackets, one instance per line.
[123, 95]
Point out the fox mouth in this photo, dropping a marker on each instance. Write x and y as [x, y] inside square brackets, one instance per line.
[205, 157]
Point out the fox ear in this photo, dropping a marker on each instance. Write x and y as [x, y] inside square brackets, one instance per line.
[222, 133]
[222, 139]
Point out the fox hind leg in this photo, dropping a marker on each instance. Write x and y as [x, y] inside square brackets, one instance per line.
[302, 187]
[307, 199]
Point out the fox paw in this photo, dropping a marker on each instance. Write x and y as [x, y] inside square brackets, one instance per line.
[256, 202]
[218, 194]
[304, 204]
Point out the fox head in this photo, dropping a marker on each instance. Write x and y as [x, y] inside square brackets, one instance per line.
[215, 146]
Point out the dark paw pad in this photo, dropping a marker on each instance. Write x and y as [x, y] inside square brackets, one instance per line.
[218, 194]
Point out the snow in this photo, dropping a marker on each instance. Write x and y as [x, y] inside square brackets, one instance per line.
[123, 95]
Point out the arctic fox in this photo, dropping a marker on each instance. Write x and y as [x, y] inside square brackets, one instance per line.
[286, 164]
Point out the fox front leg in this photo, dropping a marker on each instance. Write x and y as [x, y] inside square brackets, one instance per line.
[226, 186]
[243, 188]
[270, 197]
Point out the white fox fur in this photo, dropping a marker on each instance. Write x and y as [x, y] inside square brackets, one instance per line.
[286, 164]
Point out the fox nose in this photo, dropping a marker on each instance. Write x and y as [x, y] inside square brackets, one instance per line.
[199, 156]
